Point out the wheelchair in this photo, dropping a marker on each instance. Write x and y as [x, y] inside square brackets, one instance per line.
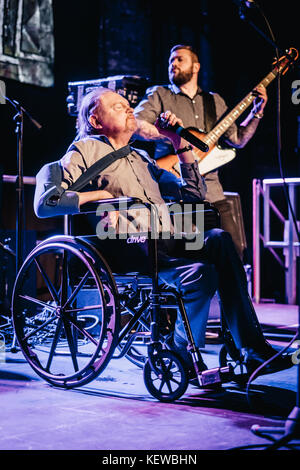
[73, 313]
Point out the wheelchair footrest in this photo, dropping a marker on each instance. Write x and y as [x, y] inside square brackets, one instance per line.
[218, 375]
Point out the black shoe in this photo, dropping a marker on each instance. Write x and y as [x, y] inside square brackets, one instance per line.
[254, 358]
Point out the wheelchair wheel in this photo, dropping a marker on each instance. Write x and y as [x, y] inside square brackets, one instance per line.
[64, 312]
[167, 380]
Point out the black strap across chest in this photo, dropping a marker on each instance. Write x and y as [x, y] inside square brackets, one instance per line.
[98, 167]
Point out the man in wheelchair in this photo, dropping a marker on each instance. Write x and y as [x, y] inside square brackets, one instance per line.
[106, 123]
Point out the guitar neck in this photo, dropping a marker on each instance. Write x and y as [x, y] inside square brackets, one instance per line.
[213, 136]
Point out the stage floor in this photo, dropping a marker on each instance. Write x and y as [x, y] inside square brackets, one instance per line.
[115, 411]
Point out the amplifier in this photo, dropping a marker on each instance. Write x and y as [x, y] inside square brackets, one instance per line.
[132, 87]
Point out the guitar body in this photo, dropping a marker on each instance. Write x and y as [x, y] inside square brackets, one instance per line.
[218, 156]
[207, 161]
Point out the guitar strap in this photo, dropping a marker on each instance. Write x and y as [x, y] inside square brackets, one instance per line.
[210, 115]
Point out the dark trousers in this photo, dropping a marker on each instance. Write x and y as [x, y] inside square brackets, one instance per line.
[196, 274]
[229, 224]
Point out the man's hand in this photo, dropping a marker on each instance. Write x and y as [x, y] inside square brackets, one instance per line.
[177, 141]
[170, 119]
[261, 99]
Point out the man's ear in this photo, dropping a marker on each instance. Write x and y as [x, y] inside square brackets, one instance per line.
[94, 122]
[196, 67]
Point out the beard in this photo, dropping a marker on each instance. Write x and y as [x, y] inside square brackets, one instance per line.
[131, 124]
[181, 78]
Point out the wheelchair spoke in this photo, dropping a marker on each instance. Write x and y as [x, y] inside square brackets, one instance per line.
[54, 343]
[83, 309]
[169, 386]
[77, 289]
[161, 385]
[175, 381]
[64, 278]
[39, 328]
[71, 343]
[82, 330]
[165, 372]
[48, 282]
[164, 382]
[38, 302]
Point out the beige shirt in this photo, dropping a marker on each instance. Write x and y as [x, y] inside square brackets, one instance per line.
[136, 175]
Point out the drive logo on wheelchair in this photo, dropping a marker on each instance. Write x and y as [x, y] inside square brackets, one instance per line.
[136, 239]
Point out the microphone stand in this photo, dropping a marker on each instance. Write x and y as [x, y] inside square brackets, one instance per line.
[19, 253]
[243, 16]
[19, 120]
[291, 430]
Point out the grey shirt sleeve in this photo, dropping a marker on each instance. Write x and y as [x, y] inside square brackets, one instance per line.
[51, 198]
[150, 106]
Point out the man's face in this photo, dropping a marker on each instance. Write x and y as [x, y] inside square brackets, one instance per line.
[115, 115]
[181, 67]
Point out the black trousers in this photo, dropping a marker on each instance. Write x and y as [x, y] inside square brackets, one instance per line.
[189, 271]
[229, 224]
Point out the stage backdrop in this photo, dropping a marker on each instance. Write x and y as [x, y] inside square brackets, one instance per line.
[26, 41]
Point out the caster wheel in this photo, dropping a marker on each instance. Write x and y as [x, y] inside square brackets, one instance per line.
[168, 380]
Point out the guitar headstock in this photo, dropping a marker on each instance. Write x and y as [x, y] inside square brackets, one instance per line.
[286, 61]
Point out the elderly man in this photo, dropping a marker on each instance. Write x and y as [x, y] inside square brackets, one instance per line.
[106, 122]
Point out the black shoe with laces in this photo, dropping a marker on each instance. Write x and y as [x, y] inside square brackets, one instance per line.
[254, 358]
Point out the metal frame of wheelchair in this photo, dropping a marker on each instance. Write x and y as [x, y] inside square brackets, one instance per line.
[69, 343]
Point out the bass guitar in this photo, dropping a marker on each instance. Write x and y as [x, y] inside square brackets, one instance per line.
[216, 155]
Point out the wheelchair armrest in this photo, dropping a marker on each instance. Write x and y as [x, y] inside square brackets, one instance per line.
[111, 204]
[210, 213]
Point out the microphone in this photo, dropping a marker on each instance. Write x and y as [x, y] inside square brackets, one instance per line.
[185, 134]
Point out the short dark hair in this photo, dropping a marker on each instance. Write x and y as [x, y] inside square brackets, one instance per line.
[194, 54]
